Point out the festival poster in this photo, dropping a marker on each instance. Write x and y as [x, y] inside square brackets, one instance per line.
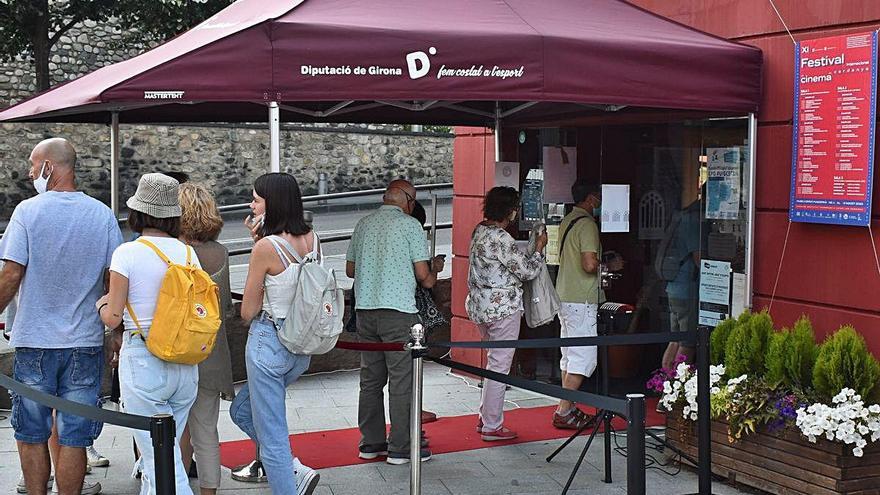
[833, 131]
[723, 184]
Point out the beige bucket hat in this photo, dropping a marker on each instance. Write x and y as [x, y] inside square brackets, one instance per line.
[156, 196]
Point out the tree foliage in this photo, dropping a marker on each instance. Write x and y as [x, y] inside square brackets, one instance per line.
[844, 361]
[746, 347]
[718, 340]
[33, 27]
[791, 355]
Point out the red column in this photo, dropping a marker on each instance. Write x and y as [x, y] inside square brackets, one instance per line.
[473, 174]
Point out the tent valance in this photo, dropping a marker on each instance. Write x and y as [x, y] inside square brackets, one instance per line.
[414, 61]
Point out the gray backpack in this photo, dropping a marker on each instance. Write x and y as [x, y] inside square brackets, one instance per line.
[314, 321]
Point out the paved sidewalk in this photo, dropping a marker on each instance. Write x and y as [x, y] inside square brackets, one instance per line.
[329, 401]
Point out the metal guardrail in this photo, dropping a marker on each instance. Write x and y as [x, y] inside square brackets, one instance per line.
[319, 197]
[341, 195]
[333, 238]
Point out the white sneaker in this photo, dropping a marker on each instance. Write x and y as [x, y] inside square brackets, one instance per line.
[95, 459]
[22, 488]
[88, 488]
[306, 480]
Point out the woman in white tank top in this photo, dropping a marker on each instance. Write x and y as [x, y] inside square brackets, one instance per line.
[259, 408]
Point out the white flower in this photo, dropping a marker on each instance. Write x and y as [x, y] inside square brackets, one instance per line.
[847, 420]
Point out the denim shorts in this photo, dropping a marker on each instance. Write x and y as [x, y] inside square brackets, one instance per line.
[73, 374]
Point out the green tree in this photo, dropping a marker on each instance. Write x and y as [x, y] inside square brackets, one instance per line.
[845, 361]
[33, 27]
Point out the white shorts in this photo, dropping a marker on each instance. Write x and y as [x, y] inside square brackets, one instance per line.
[578, 320]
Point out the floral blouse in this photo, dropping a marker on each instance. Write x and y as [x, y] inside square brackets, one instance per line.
[497, 270]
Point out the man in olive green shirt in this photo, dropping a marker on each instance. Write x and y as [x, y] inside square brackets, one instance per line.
[580, 291]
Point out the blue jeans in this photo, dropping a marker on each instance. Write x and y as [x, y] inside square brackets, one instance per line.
[73, 374]
[150, 386]
[259, 407]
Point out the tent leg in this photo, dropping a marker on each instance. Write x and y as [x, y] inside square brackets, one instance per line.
[750, 241]
[274, 137]
[497, 131]
[114, 163]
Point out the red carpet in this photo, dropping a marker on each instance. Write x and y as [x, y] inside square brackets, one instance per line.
[332, 448]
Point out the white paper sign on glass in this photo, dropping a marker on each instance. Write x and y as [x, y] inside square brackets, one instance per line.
[560, 172]
[615, 207]
[714, 292]
[507, 174]
[723, 186]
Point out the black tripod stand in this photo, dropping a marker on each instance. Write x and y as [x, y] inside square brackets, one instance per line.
[601, 420]
[603, 416]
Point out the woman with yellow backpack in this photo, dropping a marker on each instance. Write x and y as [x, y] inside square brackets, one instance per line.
[170, 311]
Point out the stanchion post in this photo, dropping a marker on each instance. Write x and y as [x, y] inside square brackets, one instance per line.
[418, 349]
[635, 444]
[162, 432]
[704, 421]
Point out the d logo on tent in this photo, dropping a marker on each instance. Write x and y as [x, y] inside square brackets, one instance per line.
[418, 63]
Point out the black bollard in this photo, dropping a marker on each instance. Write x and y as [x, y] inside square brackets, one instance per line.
[635, 444]
[704, 420]
[162, 432]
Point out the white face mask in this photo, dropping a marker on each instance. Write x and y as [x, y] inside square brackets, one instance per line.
[512, 216]
[40, 183]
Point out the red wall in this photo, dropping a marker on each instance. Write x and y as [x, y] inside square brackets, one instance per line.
[829, 272]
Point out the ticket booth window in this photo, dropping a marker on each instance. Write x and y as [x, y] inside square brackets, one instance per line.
[674, 205]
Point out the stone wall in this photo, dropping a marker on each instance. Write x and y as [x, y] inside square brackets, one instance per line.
[226, 158]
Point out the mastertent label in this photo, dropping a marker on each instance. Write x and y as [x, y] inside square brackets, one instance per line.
[834, 107]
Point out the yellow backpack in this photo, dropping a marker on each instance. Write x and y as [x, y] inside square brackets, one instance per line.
[187, 315]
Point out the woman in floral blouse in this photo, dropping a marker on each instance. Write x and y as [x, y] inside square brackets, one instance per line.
[497, 270]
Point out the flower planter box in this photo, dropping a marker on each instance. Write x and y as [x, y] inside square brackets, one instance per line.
[783, 463]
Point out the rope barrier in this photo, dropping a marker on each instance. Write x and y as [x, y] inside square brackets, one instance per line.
[370, 346]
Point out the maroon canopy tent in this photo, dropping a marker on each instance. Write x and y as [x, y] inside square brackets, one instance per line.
[419, 61]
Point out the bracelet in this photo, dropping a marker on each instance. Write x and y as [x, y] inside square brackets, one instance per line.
[102, 307]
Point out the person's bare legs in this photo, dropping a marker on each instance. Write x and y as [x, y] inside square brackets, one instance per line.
[70, 470]
[673, 350]
[186, 449]
[54, 446]
[570, 381]
[35, 466]
[70, 465]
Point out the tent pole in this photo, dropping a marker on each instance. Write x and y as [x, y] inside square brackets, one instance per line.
[497, 131]
[114, 163]
[274, 137]
[750, 242]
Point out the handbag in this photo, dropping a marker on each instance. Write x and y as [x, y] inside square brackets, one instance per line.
[430, 314]
[540, 299]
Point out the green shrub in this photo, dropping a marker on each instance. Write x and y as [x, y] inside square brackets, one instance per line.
[718, 340]
[746, 348]
[791, 355]
[845, 362]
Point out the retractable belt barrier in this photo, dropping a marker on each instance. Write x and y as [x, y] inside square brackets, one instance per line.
[602, 340]
[597, 401]
[632, 408]
[161, 427]
[117, 418]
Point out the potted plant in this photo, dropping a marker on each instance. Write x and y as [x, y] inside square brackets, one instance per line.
[788, 416]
